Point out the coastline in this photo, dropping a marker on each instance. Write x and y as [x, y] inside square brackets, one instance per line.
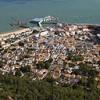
[14, 32]
[18, 31]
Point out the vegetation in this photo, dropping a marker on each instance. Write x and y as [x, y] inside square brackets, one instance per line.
[75, 57]
[85, 70]
[16, 88]
[21, 44]
[1, 63]
[44, 64]
[25, 69]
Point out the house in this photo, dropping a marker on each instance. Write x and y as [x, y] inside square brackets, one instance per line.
[41, 74]
[56, 73]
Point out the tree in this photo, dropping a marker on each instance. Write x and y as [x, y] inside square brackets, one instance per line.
[44, 64]
[18, 72]
[1, 63]
[26, 89]
[75, 58]
[91, 83]
[25, 69]
[21, 43]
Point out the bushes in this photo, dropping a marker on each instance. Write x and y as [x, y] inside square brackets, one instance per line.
[75, 57]
[44, 64]
[21, 44]
[26, 89]
[25, 69]
[1, 63]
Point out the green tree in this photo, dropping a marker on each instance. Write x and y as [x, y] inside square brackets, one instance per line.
[25, 69]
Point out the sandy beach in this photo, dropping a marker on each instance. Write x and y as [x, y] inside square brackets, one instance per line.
[14, 32]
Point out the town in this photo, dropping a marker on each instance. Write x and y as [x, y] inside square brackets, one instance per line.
[65, 52]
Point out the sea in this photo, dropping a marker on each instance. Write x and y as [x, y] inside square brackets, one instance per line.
[69, 11]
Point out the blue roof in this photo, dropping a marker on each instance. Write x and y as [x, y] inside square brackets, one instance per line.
[37, 19]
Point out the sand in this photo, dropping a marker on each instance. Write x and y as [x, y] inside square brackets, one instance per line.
[14, 32]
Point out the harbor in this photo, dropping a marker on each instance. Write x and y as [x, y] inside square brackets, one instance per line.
[67, 11]
[53, 24]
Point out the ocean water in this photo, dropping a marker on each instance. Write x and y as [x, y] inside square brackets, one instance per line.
[69, 11]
